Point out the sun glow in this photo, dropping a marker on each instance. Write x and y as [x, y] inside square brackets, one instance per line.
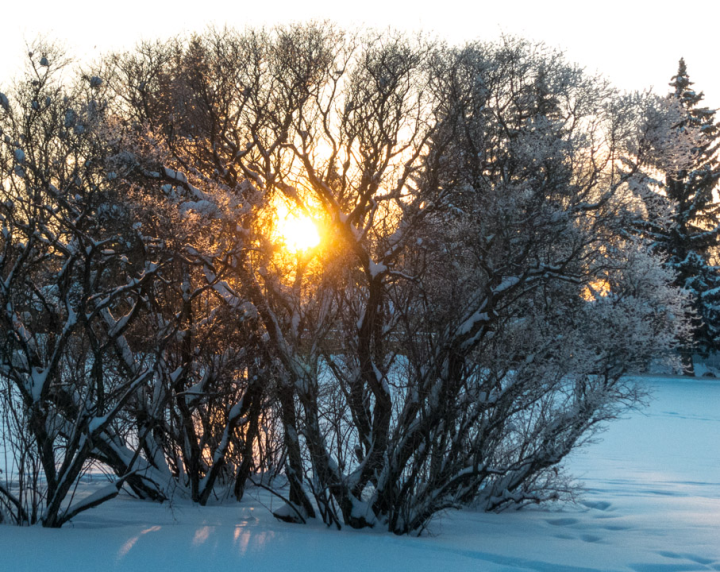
[297, 232]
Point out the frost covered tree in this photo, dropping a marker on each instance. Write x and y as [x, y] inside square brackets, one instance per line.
[689, 232]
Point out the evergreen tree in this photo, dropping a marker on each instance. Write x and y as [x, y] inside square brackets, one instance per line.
[691, 238]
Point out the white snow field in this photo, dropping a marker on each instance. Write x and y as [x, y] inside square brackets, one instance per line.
[652, 504]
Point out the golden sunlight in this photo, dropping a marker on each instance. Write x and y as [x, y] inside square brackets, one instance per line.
[297, 232]
[596, 288]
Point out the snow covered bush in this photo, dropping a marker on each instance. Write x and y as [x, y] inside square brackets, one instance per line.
[474, 303]
[68, 292]
[465, 321]
[199, 420]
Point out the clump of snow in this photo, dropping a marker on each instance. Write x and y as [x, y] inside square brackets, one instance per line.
[205, 208]
[95, 423]
[507, 282]
[376, 268]
[69, 118]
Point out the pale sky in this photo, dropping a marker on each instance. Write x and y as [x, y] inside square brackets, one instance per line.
[637, 44]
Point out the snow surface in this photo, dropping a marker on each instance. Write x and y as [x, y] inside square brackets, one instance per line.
[651, 504]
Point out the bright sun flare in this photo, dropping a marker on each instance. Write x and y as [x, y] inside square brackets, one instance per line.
[299, 233]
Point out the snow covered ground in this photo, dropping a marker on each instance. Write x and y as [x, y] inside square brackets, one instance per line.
[652, 504]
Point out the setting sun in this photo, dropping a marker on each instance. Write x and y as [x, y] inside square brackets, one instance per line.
[298, 233]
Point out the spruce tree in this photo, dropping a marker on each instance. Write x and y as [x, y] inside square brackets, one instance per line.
[691, 239]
